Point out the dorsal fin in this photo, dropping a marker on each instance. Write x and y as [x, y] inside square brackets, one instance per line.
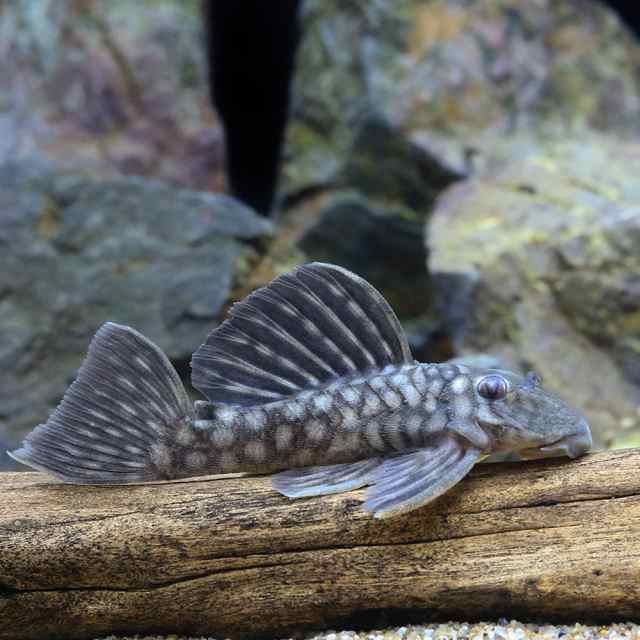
[304, 329]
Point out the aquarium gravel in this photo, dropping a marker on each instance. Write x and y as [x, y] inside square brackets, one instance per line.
[501, 630]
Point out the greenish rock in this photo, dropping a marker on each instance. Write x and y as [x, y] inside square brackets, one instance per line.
[626, 441]
[394, 172]
[536, 261]
[453, 77]
[77, 252]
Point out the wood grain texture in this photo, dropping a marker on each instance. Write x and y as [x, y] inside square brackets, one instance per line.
[553, 539]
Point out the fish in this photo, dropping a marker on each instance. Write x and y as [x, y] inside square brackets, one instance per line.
[310, 379]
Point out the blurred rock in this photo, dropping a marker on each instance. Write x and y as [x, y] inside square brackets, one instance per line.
[115, 88]
[375, 228]
[77, 252]
[385, 249]
[538, 263]
[454, 76]
[393, 171]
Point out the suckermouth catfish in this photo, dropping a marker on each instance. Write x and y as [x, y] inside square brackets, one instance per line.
[311, 374]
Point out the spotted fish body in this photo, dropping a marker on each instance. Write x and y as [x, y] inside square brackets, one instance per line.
[391, 411]
[312, 377]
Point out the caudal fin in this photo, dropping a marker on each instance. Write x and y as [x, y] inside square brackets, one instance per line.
[126, 398]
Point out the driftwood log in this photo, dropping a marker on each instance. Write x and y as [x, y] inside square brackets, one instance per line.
[554, 539]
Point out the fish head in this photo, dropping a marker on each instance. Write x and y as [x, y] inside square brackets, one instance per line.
[519, 415]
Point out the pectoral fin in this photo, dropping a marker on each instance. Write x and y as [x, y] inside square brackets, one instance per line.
[412, 480]
[316, 481]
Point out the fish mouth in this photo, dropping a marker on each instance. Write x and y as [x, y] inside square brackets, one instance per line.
[573, 446]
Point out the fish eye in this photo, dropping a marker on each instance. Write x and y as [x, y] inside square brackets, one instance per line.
[493, 387]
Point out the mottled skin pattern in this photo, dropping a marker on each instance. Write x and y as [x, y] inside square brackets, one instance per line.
[396, 410]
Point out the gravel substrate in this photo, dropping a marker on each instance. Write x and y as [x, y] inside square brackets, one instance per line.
[501, 630]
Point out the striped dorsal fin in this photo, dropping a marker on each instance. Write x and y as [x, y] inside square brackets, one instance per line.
[303, 330]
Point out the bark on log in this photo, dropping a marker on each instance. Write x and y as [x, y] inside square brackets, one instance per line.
[553, 539]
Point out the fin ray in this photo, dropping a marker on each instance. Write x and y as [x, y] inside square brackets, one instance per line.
[404, 485]
[303, 330]
[316, 481]
[102, 431]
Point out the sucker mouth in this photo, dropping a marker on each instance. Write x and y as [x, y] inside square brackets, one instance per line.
[573, 446]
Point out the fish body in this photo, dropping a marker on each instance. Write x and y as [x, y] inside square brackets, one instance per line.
[311, 377]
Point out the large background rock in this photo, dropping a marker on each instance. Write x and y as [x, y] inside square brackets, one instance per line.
[76, 253]
[539, 263]
[455, 75]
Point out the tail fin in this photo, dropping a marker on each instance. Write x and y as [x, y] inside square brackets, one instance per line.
[126, 397]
